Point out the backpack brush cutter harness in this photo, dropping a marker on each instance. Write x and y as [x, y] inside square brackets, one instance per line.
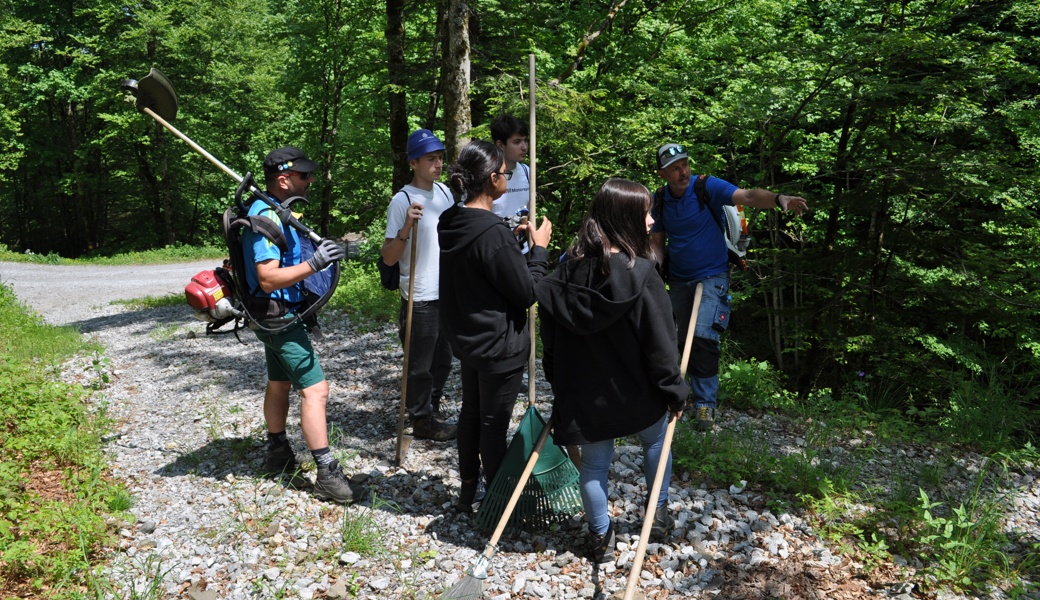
[222, 295]
[730, 220]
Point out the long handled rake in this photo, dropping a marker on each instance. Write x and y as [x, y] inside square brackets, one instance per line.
[405, 441]
[554, 494]
[666, 449]
[471, 586]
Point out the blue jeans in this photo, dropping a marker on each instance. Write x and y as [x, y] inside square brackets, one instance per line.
[712, 318]
[429, 357]
[596, 459]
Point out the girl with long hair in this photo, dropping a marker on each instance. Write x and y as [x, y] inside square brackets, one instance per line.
[609, 350]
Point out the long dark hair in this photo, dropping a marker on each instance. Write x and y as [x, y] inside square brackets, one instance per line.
[617, 217]
[471, 173]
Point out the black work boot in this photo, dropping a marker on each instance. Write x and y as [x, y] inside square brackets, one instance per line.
[332, 484]
[432, 428]
[603, 546]
[280, 460]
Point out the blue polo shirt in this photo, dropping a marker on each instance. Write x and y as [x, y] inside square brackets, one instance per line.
[257, 248]
[696, 246]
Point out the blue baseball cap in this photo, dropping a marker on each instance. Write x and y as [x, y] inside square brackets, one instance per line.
[421, 143]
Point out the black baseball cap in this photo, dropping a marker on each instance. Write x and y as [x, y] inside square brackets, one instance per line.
[288, 159]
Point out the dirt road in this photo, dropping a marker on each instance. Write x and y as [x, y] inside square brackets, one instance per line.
[65, 294]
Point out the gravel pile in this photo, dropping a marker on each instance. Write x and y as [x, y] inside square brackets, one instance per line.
[188, 444]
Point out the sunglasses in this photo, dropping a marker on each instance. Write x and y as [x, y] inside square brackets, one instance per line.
[508, 174]
[672, 151]
[302, 176]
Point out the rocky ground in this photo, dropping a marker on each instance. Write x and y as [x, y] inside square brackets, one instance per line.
[188, 443]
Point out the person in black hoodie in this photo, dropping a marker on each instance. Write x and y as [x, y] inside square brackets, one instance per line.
[609, 350]
[486, 287]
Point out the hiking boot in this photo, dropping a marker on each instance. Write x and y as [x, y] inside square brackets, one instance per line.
[603, 546]
[471, 495]
[280, 460]
[432, 428]
[704, 418]
[663, 525]
[332, 484]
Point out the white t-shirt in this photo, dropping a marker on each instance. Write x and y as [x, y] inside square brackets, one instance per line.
[518, 193]
[517, 196]
[428, 252]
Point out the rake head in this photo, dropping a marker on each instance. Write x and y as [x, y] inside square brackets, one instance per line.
[470, 587]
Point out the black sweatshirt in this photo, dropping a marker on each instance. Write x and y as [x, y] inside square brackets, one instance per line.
[609, 349]
[486, 288]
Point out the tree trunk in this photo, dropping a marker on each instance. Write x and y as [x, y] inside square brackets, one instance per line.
[396, 96]
[455, 72]
[332, 91]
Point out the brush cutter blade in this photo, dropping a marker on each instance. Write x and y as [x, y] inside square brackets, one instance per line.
[154, 91]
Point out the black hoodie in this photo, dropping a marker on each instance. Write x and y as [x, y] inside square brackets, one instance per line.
[609, 349]
[486, 287]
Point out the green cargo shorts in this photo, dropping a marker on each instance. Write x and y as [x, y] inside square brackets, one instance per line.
[290, 357]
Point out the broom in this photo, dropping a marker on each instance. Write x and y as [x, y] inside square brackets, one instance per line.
[666, 450]
[554, 493]
[471, 586]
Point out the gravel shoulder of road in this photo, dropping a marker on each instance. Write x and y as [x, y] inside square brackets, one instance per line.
[207, 523]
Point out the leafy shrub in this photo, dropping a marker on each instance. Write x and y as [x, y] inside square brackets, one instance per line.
[752, 384]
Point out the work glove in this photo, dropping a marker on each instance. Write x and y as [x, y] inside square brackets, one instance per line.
[325, 254]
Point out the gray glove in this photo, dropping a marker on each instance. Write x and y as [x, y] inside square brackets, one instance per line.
[325, 254]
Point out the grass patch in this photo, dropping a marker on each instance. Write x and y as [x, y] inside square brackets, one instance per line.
[54, 494]
[149, 302]
[955, 537]
[359, 531]
[157, 256]
[360, 295]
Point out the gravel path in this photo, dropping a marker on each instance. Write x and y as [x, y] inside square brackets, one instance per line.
[188, 444]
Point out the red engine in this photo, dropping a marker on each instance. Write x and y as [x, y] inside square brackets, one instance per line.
[209, 293]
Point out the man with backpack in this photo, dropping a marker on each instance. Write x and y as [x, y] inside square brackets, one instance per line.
[692, 225]
[412, 217]
[274, 274]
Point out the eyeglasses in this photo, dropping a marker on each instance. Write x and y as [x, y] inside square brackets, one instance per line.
[672, 151]
[302, 176]
[508, 174]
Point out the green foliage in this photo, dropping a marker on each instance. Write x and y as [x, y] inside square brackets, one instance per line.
[964, 547]
[360, 532]
[752, 384]
[727, 457]
[149, 302]
[362, 297]
[47, 434]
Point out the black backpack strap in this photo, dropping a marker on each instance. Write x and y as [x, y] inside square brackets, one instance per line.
[700, 189]
[659, 203]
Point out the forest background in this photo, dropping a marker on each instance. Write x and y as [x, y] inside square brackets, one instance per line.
[912, 128]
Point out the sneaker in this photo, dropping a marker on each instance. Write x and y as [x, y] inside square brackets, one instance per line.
[280, 460]
[663, 525]
[432, 428]
[435, 402]
[471, 495]
[603, 546]
[705, 418]
[332, 484]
